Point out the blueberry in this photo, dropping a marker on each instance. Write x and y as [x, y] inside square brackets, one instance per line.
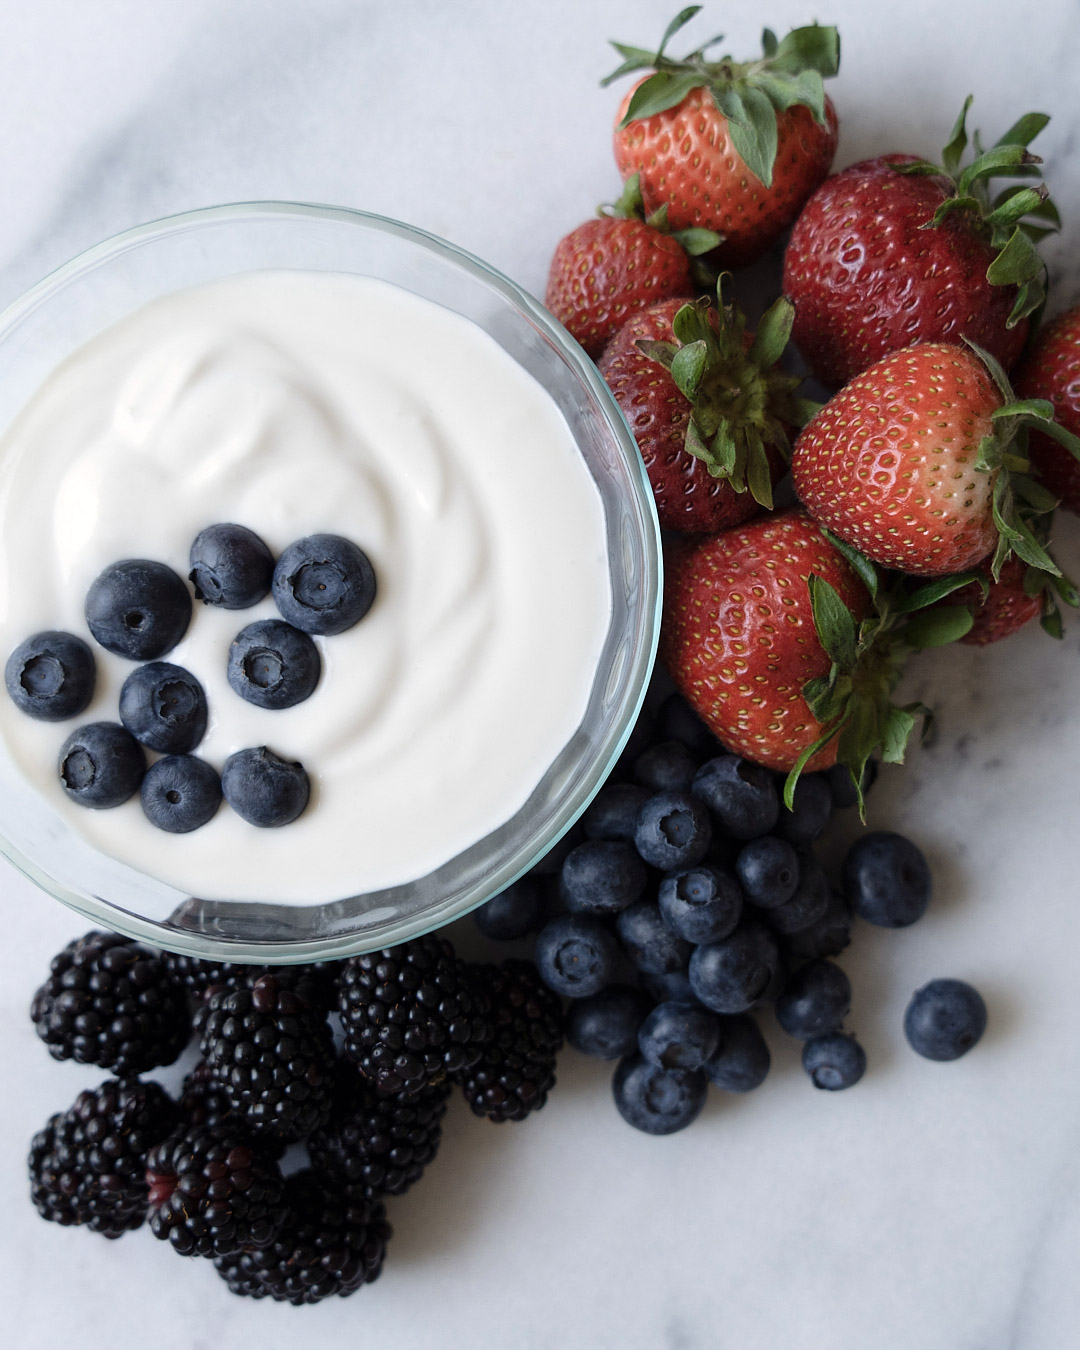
[514, 913]
[263, 789]
[101, 765]
[887, 880]
[742, 1061]
[732, 975]
[842, 785]
[606, 1024]
[657, 1101]
[51, 676]
[944, 1019]
[811, 806]
[673, 831]
[671, 987]
[180, 793]
[702, 904]
[834, 1062]
[679, 1036]
[324, 584]
[742, 796]
[768, 871]
[138, 608]
[651, 945]
[814, 1001]
[601, 876]
[827, 936]
[273, 665]
[164, 707]
[677, 721]
[576, 955]
[807, 906]
[230, 567]
[667, 767]
[614, 811]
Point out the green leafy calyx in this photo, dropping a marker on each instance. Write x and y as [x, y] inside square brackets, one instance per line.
[630, 206]
[750, 94]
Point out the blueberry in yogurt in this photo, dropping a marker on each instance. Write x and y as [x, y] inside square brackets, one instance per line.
[324, 584]
[101, 765]
[264, 789]
[273, 665]
[180, 793]
[51, 676]
[164, 707]
[231, 567]
[138, 608]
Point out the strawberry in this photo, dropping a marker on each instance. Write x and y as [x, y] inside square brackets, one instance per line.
[919, 462]
[895, 250]
[619, 263]
[1051, 371]
[1004, 609]
[710, 416]
[731, 147]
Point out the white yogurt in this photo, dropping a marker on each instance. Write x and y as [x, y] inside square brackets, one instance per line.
[296, 403]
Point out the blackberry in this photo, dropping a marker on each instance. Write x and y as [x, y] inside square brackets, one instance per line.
[87, 1166]
[199, 978]
[412, 1015]
[204, 1102]
[516, 1069]
[214, 1190]
[332, 1244]
[196, 976]
[272, 1053]
[111, 1002]
[380, 1145]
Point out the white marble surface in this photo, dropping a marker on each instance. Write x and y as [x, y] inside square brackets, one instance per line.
[934, 1207]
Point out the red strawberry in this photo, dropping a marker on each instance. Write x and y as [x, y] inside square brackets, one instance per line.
[914, 463]
[735, 148]
[1004, 609]
[895, 251]
[1051, 371]
[714, 446]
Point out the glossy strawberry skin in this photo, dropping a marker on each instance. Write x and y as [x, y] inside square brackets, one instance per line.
[1051, 370]
[1004, 610]
[608, 268]
[738, 634]
[866, 280]
[687, 497]
[888, 464]
[686, 160]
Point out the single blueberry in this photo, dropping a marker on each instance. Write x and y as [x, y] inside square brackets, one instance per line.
[138, 608]
[842, 784]
[51, 676]
[514, 913]
[887, 880]
[768, 871]
[651, 945]
[230, 567]
[679, 1036]
[164, 707]
[809, 903]
[101, 765]
[614, 810]
[606, 1024]
[601, 876]
[702, 904]
[677, 721]
[657, 1101]
[742, 796]
[834, 1062]
[827, 936]
[180, 793]
[732, 975]
[671, 987]
[944, 1019]
[811, 806]
[742, 1061]
[667, 767]
[273, 665]
[263, 789]
[324, 584]
[673, 831]
[814, 1001]
[576, 955]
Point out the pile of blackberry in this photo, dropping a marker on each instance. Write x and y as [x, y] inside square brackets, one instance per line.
[203, 1167]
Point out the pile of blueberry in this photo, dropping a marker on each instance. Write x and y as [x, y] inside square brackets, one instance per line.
[140, 609]
[689, 899]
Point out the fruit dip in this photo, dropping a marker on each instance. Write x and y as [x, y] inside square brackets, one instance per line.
[295, 403]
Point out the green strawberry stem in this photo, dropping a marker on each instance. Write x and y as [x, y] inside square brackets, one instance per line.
[629, 206]
[742, 401]
[750, 94]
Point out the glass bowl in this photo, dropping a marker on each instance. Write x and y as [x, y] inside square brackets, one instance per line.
[107, 282]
